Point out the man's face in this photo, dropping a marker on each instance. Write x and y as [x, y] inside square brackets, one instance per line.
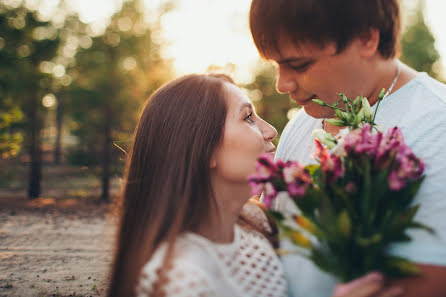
[307, 71]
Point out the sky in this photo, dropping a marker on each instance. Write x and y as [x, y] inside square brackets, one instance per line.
[216, 32]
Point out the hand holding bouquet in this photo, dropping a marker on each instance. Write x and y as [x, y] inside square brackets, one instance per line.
[355, 202]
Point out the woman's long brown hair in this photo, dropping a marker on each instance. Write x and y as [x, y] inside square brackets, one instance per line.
[167, 185]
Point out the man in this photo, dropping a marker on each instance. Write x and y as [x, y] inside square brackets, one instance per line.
[323, 47]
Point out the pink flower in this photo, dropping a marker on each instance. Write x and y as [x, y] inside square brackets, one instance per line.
[362, 140]
[331, 164]
[256, 186]
[350, 187]
[269, 194]
[296, 177]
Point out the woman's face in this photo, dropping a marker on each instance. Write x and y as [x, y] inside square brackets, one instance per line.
[245, 136]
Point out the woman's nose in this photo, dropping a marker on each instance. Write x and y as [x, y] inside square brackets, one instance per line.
[268, 131]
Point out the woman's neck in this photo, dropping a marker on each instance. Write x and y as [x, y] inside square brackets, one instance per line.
[224, 213]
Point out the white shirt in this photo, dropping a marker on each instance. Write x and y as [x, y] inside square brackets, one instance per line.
[419, 109]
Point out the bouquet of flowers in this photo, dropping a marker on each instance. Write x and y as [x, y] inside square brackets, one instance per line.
[357, 199]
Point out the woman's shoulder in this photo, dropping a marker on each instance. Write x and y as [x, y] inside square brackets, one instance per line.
[186, 274]
[254, 213]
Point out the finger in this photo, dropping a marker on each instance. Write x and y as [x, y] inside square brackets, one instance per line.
[392, 292]
[363, 287]
[344, 289]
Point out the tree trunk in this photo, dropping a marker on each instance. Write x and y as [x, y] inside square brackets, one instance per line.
[35, 152]
[106, 155]
[59, 120]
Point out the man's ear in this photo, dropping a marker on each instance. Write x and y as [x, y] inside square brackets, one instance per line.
[368, 42]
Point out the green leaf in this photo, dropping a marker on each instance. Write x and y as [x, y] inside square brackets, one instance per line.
[356, 104]
[370, 240]
[312, 168]
[344, 224]
[397, 267]
[366, 194]
[276, 215]
[418, 225]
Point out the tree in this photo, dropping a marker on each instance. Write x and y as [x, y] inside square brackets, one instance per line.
[121, 68]
[28, 41]
[418, 45]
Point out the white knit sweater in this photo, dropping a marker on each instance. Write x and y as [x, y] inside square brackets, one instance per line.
[246, 267]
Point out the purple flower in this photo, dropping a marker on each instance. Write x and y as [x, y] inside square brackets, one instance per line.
[407, 168]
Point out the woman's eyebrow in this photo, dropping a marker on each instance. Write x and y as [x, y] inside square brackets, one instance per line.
[244, 105]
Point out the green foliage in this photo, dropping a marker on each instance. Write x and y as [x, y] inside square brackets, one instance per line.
[116, 75]
[418, 46]
[26, 42]
[10, 139]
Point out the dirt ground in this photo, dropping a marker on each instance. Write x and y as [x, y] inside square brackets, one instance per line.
[52, 247]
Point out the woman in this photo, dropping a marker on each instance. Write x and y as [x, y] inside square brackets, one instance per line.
[181, 230]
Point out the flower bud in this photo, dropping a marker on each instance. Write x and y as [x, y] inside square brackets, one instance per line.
[381, 94]
[367, 109]
[320, 102]
[325, 138]
[335, 122]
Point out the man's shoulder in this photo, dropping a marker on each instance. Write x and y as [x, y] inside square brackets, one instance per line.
[419, 105]
[429, 91]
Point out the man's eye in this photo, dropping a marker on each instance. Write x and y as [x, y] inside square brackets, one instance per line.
[249, 118]
[301, 67]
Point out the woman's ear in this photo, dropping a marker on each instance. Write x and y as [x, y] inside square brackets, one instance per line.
[213, 162]
[368, 42]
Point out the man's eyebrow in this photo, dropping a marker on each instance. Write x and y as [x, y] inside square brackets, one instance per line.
[288, 60]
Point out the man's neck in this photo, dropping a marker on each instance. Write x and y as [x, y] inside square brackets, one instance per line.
[406, 75]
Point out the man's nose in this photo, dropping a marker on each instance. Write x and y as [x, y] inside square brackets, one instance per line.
[285, 81]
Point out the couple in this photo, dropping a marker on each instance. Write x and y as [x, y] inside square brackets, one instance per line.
[186, 226]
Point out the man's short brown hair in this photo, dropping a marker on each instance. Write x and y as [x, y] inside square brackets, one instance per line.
[322, 21]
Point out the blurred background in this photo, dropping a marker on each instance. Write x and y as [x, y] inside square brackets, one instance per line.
[74, 75]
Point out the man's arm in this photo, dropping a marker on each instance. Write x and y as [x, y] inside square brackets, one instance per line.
[432, 282]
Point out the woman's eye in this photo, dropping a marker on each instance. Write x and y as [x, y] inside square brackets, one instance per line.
[249, 118]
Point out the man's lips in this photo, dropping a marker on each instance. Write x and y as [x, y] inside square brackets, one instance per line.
[303, 102]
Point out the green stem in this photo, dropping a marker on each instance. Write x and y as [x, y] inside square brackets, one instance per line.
[374, 115]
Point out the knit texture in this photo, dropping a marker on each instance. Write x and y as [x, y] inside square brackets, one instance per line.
[246, 267]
